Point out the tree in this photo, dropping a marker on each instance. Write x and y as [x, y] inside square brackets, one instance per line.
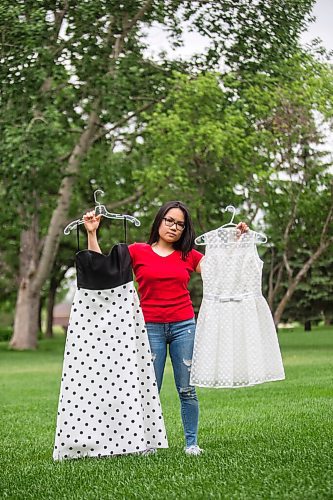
[95, 39]
[251, 140]
[74, 74]
[312, 301]
[295, 191]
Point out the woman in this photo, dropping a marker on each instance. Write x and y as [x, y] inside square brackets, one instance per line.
[162, 268]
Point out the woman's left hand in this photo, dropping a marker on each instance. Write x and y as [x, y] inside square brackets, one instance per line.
[242, 228]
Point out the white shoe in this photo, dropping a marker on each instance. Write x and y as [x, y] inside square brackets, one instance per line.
[193, 450]
[149, 451]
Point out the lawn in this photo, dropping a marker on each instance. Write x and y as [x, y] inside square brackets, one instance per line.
[270, 441]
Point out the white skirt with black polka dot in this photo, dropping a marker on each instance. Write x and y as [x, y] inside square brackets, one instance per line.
[109, 402]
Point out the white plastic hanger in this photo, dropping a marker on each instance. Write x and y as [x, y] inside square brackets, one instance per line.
[101, 210]
[260, 238]
[230, 208]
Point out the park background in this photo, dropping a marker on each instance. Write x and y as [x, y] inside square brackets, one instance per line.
[212, 103]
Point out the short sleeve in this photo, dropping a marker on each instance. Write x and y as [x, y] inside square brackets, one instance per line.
[136, 251]
[196, 258]
[132, 250]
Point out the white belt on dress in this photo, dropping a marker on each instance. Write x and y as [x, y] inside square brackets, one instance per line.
[231, 298]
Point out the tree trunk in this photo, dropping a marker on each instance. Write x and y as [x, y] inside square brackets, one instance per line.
[307, 325]
[300, 275]
[273, 289]
[328, 320]
[26, 319]
[26, 314]
[26, 324]
[50, 307]
[41, 303]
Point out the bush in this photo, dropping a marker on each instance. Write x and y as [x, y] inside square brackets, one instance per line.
[5, 333]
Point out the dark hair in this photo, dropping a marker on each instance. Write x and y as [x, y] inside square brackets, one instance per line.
[186, 241]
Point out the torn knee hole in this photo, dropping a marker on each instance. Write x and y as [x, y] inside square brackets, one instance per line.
[153, 357]
[188, 363]
[187, 392]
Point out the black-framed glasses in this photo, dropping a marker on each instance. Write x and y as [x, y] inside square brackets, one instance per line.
[170, 222]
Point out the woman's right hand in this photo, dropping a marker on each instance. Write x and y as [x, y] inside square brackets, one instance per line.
[91, 221]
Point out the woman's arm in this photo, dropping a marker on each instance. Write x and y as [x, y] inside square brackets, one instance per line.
[198, 268]
[91, 223]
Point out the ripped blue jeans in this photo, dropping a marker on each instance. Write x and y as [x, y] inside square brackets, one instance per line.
[180, 337]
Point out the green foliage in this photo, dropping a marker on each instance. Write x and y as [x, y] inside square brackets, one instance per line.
[250, 36]
[253, 140]
[195, 146]
[5, 333]
[206, 138]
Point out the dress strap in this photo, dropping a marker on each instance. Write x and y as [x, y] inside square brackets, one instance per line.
[78, 237]
[125, 229]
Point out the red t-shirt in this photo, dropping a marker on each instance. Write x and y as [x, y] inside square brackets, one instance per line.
[163, 281]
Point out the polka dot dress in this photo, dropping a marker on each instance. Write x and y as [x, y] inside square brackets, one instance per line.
[109, 402]
[236, 343]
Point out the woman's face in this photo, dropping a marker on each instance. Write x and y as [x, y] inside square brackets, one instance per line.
[168, 230]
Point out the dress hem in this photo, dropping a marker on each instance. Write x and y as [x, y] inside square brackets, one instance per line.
[237, 386]
[100, 455]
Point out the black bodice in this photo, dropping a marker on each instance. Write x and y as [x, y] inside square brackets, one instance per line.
[97, 271]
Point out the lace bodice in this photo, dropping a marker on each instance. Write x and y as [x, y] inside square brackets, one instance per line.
[231, 266]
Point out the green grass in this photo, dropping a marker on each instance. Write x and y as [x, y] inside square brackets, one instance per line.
[270, 441]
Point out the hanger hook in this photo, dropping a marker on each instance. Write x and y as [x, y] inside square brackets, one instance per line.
[95, 195]
[231, 208]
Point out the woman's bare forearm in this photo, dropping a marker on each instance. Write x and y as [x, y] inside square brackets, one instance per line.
[93, 243]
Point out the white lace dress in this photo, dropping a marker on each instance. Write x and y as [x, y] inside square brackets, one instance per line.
[236, 343]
